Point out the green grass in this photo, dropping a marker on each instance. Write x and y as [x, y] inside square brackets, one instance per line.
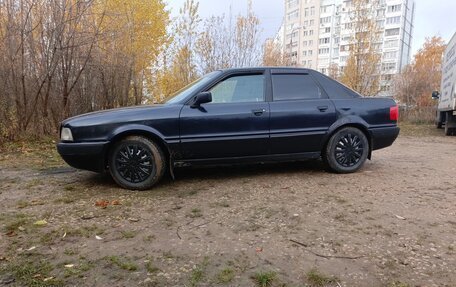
[33, 274]
[195, 213]
[122, 263]
[16, 221]
[317, 279]
[78, 270]
[198, 273]
[419, 130]
[225, 276]
[150, 267]
[128, 234]
[264, 279]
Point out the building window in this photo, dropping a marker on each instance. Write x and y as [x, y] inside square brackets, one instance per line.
[311, 42]
[323, 51]
[391, 43]
[293, 15]
[393, 20]
[324, 41]
[306, 12]
[388, 67]
[312, 11]
[390, 55]
[310, 52]
[394, 8]
[292, 3]
[311, 32]
[311, 22]
[304, 43]
[325, 20]
[392, 32]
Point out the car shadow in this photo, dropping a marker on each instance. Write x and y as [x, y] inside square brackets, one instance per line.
[243, 171]
[185, 175]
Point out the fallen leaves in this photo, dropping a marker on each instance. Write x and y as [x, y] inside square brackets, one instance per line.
[102, 203]
[105, 203]
[40, 223]
[400, 217]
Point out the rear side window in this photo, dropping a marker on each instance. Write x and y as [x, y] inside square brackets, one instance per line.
[334, 89]
[294, 87]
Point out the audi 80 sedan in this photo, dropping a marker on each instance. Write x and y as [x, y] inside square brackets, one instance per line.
[233, 116]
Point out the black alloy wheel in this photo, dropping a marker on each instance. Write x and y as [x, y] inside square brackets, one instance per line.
[349, 150]
[136, 163]
[346, 151]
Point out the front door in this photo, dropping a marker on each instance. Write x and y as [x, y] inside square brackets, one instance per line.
[234, 124]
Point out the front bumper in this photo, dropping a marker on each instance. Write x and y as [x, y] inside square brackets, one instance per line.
[383, 137]
[88, 156]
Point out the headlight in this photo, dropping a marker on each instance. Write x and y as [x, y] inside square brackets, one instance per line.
[66, 135]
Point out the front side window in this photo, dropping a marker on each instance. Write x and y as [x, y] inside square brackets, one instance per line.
[294, 87]
[238, 89]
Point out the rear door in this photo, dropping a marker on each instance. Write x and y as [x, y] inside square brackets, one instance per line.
[301, 113]
[234, 124]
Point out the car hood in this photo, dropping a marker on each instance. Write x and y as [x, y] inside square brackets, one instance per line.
[128, 114]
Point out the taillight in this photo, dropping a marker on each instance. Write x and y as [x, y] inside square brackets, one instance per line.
[394, 113]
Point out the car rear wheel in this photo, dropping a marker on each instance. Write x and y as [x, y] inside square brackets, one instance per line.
[137, 163]
[346, 151]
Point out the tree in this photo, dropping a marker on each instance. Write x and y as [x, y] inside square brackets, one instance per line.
[413, 87]
[61, 58]
[362, 70]
[223, 44]
[273, 55]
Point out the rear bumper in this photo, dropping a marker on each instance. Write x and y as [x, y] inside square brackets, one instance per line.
[383, 137]
[88, 156]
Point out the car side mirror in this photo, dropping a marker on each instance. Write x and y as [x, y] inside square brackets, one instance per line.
[201, 98]
[435, 95]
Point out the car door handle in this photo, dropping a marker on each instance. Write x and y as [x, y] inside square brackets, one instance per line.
[258, 112]
[323, 108]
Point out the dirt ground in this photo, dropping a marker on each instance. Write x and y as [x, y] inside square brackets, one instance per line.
[391, 224]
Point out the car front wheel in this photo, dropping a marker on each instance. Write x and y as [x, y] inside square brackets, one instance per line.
[136, 163]
[347, 150]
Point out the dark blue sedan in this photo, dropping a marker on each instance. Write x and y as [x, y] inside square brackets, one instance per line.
[229, 117]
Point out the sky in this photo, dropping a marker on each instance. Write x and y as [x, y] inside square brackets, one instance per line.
[432, 17]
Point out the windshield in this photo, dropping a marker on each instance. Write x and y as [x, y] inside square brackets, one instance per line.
[190, 89]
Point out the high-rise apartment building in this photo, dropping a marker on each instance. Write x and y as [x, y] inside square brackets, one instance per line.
[316, 34]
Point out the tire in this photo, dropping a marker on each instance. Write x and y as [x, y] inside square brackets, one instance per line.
[341, 158]
[449, 131]
[136, 163]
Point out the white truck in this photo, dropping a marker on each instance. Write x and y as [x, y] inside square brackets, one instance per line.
[446, 112]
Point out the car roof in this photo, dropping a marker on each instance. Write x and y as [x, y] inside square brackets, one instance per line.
[281, 69]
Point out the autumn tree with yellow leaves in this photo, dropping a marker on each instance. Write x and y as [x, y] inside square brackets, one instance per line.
[414, 86]
[362, 72]
[62, 58]
[273, 55]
